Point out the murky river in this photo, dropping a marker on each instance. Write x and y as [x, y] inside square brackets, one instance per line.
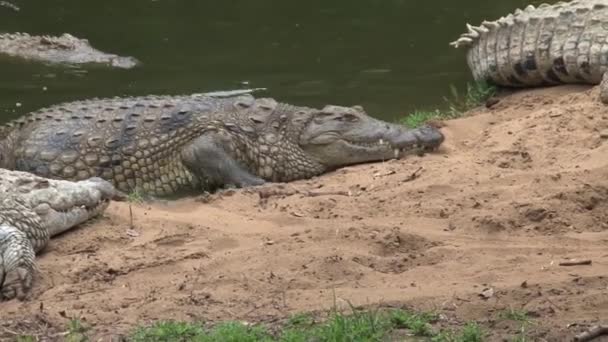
[391, 56]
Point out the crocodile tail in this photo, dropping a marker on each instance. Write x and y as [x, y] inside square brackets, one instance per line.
[475, 33]
[550, 44]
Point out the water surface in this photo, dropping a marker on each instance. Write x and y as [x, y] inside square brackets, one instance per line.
[391, 56]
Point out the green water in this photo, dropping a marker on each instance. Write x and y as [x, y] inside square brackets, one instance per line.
[391, 56]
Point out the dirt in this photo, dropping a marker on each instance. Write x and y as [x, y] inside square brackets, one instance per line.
[469, 231]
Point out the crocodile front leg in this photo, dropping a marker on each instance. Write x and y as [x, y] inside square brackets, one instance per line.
[209, 159]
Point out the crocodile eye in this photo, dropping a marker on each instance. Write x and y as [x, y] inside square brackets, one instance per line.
[348, 117]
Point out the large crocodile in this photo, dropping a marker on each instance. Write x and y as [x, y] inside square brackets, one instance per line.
[162, 145]
[566, 42]
[33, 209]
[64, 49]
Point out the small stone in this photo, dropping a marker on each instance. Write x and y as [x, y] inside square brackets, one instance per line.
[604, 134]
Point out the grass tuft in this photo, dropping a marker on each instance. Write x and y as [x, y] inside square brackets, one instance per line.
[236, 332]
[418, 323]
[515, 315]
[476, 94]
[168, 331]
[135, 197]
[26, 338]
[471, 332]
[76, 331]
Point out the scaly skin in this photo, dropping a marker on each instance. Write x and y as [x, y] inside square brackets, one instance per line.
[34, 209]
[64, 49]
[551, 44]
[163, 145]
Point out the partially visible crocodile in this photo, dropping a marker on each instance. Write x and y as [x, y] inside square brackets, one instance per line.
[162, 145]
[64, 49]
[566, 42]
[33, 209]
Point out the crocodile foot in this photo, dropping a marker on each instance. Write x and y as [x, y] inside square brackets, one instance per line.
[17, 255]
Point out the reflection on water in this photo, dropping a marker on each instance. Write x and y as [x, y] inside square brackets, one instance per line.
[391, 56]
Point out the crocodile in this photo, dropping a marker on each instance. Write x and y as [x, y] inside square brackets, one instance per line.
[63, 49]
[566, 42]
[34, 209]
[168, 145]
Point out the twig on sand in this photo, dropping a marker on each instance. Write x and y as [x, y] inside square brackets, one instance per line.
[11, 332]
[131, 217]
[575, 262]
[592, 333]
[414, 175]
[324, 193]
[270, 192]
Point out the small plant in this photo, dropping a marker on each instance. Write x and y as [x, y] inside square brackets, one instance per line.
[168, 331]
[418, 118]
[236, 332]
[515, 315]
[76, 331]
[518, 316]
[418, 323]
[25, 338]
[471, 332]
[358, 326]
[476, 94]
[135, 197]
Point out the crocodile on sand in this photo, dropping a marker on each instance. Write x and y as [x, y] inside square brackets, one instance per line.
[566, 42]
[33, 209]
[64, 49]
[165, 145]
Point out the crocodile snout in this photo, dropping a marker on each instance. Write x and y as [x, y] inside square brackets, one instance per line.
[429, 137]
[425, 137]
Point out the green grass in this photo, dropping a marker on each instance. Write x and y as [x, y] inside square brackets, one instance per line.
[76, 331]
[359, 326]
[520, 316]
[515, 315]
[418, 323]
[168, 331]
[25, 338]
[476, 94]
[356, 326]
[418, 118]
[471, 332]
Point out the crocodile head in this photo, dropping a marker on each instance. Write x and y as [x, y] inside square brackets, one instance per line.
[337, 136]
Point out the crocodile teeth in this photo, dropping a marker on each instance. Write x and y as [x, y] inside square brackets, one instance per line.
[396, 153]
[381, 142]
